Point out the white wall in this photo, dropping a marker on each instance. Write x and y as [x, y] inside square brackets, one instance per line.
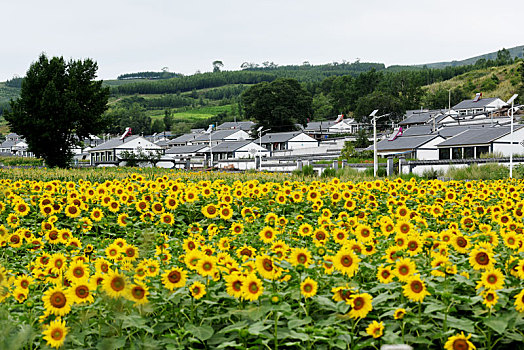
[423, 153]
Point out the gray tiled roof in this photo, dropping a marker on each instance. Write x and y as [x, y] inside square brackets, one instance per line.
[184, 138]
[478, 136]
[403, 143]
[244, 125]
[418, 130]
[450, 131]
[185, 149]
[322, 125]
[466, 104]
[113, 143]
[419, 118]
[217, 135]
[8, 143]
[229, 146]
[278, 137]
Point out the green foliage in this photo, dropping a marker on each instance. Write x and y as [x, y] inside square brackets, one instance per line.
[158, 126]
[59, 105]
[432, 174]
[440, 98]
[307, 170]
[18, 161]
[134, 117]
[149, 75]
[278, 105]
[476, 172]
[329, 172]
[362, 140]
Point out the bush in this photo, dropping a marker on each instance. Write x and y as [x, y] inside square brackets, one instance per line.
[307, 170]
[329, 172]
[432, 174]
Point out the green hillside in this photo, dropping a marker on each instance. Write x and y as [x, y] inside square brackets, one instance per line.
[500, 82]
[515, 52]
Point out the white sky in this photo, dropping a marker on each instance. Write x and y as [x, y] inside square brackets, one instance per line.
[126, 36]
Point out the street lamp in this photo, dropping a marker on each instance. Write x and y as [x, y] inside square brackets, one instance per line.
[260, 131]
[511, 100]
[375, 158]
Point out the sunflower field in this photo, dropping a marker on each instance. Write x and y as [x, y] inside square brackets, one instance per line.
[175, 260]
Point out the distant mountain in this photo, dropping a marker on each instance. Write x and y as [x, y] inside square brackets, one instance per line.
[517, 51]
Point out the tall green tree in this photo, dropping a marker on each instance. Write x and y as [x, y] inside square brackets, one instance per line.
[168, 120]
[278, 105]
[60, 104]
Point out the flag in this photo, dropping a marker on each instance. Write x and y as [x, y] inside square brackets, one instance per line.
[339, 119]
[209, 129]
[126, 133]
[478, 96]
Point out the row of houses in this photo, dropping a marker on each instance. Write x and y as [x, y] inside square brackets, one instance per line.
[470, 130]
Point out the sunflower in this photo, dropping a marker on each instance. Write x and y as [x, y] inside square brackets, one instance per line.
[399, 313]
[55, 333]
[361, 305]
[490, 298]
[207, 265]
[385, 274]
[167, 218]
[130, 253]
[375, 329]
[266, 268]
[480, 259]
[267, 234]
[115, 284]
[305, 229]
[113, 251]
[460, 243]
[210, 211]
[346, 262]
[122, 219]
[226, 212]
[81, 292]
[72, 211]
[77, 271]
[300, 256]
[459, 342]
[308, 288]
[364, 233]
[197, 289]
[492, 279]
[519, 301]
[21, 209]
[234, 283]
[58, 261]
[415, 289]
[252, 288]
[404, 269]
[57, 301]
[138, 293]
[96, 214]
[343, 293]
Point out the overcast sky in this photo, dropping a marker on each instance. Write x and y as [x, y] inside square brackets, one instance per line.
[126, 36]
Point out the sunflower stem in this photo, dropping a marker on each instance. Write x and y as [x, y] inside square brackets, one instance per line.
[275, 332]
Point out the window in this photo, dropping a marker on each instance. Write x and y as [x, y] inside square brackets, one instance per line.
[482, 150]
[456, 153]
[444, 153]
[468, 152]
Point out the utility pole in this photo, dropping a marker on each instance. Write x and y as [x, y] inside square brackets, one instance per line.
[511, 100]
[375, 157]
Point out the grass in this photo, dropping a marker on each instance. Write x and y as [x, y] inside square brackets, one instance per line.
[476, 172]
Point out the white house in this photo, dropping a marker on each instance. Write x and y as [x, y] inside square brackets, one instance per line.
[219, 136]
[281, 141]
[421, 147]
[109, 153]
[237, 150]
[473, 142]
[481, 105]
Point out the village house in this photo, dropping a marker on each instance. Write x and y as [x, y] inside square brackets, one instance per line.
[109, 153]
[282, 141]
[216, 137]
[479, 105]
